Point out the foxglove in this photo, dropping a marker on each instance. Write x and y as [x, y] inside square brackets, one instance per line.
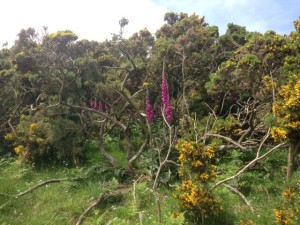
[149, 111]
[165, 97]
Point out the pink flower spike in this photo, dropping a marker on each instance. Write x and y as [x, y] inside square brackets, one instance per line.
[165, 97]
[149, 111]
[94, 105]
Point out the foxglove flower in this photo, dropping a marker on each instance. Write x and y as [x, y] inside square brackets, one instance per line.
[94, 105]
[165, 97]
[149, 111]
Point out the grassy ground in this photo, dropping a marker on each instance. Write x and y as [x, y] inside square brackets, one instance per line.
[63, 203]
[57, 203]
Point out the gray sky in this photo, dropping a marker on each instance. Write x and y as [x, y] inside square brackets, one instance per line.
[97, 19]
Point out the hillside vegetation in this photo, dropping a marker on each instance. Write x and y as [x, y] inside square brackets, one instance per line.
[184, 126]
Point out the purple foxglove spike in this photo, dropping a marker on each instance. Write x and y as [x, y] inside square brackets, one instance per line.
[165, 97]
[149, 111]
[94, 105]
[168, 113]
[164, 90]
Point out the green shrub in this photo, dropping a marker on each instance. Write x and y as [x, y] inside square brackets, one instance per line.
[42, 140]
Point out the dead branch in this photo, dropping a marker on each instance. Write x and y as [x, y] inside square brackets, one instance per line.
[88, 209]
[223, 102]
[165, 160]
[228, 140]
[97, 112]
[112, 161]
[162, 163]
[256, 159]
[114, 67]
[102, 197]
[145, 128]
[240, 195]
[43, 184]
[213, 112]
[139, 152]
[251, 125]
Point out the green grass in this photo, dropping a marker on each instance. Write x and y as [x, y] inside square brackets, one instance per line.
[63, 203]
[56, 203]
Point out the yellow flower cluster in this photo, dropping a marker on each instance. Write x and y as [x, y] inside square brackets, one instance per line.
[197, 171]
[269, 83]
[197, 159]
[281, 217]
[289, 212]
[294, 125]
[39, 140]
[278, 134]
[190, 194]
[286, 109]
[19, 150]
[204, 177]
[187, 150]
[9, 137]
[289, 194]
[247, 222]
[195, 198]
[209, 152]
[33, 126]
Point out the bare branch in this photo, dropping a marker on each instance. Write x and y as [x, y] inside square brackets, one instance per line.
[248, 165]
[165, 160]
[213, 112]
[112, 161]
[240, 195]
[97, 112]
[43, 184]
[114, 68]
[223, 101]
[88, 209]
[262, 142]
[100, 199]
[227, 139]
[139, 152]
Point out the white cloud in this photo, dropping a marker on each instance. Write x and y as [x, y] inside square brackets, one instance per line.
[97, 19]
[89, 19]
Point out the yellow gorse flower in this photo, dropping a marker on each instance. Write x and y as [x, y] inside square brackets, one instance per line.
[9, 137]
[33, 126]
[278, 134]
[197, 171]
[19, 149]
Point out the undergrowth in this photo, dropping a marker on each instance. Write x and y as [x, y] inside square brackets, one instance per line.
[64, 202]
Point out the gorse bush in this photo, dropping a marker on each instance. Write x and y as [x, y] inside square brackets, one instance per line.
[197, 171]
[288, 213]
[47, 140]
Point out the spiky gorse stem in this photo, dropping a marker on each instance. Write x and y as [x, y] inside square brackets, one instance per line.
[149, 111]
[165, 97]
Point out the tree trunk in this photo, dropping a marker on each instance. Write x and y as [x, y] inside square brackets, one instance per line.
[111, 160]
[292, 155]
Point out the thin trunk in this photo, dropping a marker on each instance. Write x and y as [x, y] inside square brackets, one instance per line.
[128, 145]
[111, 160]
[293, 149]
